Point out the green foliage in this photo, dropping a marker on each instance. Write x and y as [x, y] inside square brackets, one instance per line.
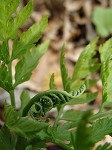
[86, 143]
[45, 101]
[7, 139]
[52, 84]
[21, 47]
[62, 132]
[22, 16]
[29, 128]
[102, 20]
[106, 70]
[100, 128]
[106, 146]
[21, 125]
[86, 63]
[72, 115]
[5, 78]
[85, 98]
[28, 63]
[64, 74]
[8, 24]
[25, 98]
[4, 54]
[29, 38]
[90, 83]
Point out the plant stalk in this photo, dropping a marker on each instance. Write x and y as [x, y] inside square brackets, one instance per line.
[12, 98]
[58, 116]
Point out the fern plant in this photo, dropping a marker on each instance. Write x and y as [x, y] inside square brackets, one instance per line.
[27, 128]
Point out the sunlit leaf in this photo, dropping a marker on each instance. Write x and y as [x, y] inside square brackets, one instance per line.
[64, 73]
[28, 63]
[106, 70]
[29, 38]
[7, 8]
[52, 84]
[86, 64]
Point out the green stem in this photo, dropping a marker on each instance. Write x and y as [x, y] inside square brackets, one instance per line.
[12, 98]
[58, 116]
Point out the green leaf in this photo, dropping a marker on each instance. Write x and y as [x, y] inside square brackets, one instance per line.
[23, 126]
[9, 25]
[21, 143]
[5, 78]
[4, 53]
[37, 144]
[29, 38]
[29, 147]
[72, 115]
[82, 138]
[25, 98]
[90, 83]
[7, 8]
[62, 132]
[106, 70]
[85, 98]
[107, 104]
[21, 17]
[51, 84]
[100, 128]
[11, 116]
[76, 84]
[101, 115]
[64, 73]
[86, 64]
[7, 140]
[26, 127]
[102, 20]
[106, 146]
[29, 62]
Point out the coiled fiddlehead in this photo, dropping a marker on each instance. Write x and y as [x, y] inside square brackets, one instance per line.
[45, 101]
